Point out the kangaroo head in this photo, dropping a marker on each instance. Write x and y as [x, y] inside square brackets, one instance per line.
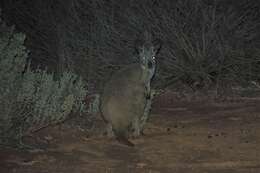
[147, 52]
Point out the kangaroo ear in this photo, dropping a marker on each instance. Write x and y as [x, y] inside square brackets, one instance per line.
[138, 46]
[157, 43]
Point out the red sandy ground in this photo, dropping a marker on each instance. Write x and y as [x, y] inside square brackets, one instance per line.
[181, 137]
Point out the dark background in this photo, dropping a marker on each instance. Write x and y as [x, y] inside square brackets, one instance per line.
[205, 43]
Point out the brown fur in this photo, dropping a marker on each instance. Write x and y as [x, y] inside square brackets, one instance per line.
[123, 100]
[124, 97]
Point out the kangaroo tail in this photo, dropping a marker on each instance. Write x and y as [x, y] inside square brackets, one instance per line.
[125, 141]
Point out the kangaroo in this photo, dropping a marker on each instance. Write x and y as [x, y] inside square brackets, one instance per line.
[126, 95]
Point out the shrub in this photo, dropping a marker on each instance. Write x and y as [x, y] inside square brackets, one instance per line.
[210, 45]
[207, 44]
[30, 100]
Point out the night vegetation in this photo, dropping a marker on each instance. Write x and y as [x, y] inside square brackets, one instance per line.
[32, 99]
[207, 45]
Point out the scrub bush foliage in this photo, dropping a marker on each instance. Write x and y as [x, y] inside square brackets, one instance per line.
[31, 100]
[206, 44]
[212, 45]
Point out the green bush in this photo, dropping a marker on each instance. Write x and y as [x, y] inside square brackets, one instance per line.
[30, 100]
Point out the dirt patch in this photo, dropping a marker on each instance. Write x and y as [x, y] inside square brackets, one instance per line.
[181, 136]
